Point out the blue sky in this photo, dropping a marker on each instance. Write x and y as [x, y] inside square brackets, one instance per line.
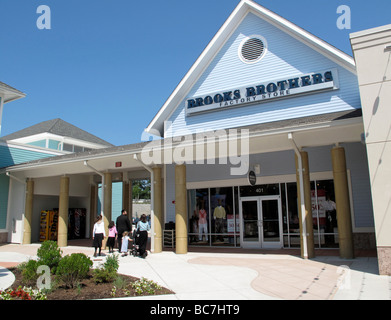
[108, 66]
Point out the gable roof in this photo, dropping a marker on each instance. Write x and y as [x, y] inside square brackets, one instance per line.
[245, 7]
[10, 93]
[58, 127]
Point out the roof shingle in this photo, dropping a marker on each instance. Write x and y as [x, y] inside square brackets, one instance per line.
[58, 127]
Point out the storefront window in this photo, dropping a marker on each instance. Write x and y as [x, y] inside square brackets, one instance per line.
[222, 216]
[218, 226]
[291, 224]
[214, 214]
[199, 231]
[324, 214]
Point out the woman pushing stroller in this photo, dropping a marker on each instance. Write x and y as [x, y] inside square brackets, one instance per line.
[142, 229]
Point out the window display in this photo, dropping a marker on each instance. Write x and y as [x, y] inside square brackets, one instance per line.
[324, 214]
[199, 218]
[221, 200]
[217, 226]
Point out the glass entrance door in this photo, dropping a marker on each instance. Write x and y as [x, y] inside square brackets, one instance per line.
[250, 222]
[271, 229]
[261, 222]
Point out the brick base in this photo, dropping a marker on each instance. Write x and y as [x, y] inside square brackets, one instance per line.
[384, 259]
[3, 237]
[364, 241]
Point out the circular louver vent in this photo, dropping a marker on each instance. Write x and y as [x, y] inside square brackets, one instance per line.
[252, 49]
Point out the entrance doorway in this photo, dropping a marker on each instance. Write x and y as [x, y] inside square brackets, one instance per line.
[261, 222]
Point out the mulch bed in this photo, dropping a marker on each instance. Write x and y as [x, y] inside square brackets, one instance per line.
[88, 289]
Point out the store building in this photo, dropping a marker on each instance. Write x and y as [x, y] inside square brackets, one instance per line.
[46, 139]
[259, 146]
[297, 96]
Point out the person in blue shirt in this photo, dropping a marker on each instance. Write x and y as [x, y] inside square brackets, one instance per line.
[143, 227]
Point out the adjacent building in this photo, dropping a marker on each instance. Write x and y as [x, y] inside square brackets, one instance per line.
[46, 139]
[372, 53]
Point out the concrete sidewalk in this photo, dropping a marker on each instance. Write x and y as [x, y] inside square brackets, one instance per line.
[226, 276]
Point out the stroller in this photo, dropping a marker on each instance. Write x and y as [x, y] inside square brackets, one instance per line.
[135, 247]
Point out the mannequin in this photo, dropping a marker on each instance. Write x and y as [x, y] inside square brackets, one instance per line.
[219, 215]
[203, 222]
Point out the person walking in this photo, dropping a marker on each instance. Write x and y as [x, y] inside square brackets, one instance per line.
[112, 235]
[98, 234]
[122, 224]
[143, 227]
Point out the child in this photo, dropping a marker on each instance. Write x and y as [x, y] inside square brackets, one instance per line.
[112, 235]
[125, 242]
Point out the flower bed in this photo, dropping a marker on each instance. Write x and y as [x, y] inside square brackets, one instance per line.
[54, 277]
[122, 286]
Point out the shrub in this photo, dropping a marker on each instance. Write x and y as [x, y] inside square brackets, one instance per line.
[74, 268]
[120, 283]
[102, 275]
[111, 263]
[29, 272]
[107, 272]
[49, 254]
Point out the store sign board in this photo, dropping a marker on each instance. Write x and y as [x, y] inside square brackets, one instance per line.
[252, 178]
[263, 92]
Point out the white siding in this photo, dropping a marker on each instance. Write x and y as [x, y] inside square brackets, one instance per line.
[286, 57]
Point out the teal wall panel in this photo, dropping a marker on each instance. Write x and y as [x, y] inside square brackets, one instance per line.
[10, 155]
[4, 187]
[116, 203]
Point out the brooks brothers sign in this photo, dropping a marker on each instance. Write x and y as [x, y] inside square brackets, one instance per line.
[307, 83]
